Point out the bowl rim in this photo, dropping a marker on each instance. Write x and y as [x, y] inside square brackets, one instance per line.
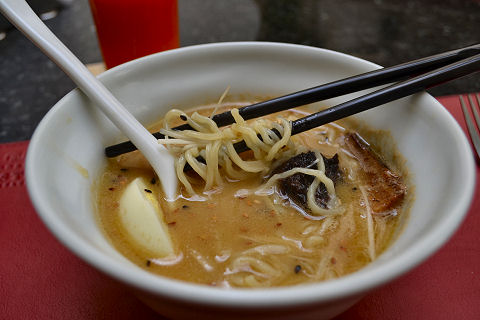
[346, 286]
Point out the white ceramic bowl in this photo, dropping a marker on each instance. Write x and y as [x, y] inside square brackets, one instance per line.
[69, 142]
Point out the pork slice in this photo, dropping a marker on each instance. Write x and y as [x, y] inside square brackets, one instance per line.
[385, 188]
[296, 186]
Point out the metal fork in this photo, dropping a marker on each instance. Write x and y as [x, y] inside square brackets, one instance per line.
[472, 128]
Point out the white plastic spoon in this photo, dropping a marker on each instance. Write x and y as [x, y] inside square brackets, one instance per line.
[23, 17]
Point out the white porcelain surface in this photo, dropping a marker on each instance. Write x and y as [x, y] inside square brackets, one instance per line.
[73, 135]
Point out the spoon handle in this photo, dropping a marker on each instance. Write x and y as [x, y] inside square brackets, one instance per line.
[22, 16]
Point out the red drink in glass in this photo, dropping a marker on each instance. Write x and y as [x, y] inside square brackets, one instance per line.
[129, 29]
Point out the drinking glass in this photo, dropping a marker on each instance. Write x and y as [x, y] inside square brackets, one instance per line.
[129, 29]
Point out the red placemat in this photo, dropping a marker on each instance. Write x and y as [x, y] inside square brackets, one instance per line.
[41, 279]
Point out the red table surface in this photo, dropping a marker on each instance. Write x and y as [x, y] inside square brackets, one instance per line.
[40, 279]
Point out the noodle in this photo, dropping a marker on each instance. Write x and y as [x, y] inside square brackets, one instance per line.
[319, 177]
[216, 146]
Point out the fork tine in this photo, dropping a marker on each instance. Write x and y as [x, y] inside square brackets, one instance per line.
[472, 129]
[475, 110]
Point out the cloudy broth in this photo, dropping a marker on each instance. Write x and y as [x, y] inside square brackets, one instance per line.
[240, 239]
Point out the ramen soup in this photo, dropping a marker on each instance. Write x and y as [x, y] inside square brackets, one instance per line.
[293, 209]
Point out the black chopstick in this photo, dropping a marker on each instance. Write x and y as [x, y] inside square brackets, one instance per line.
[388, 94]
[326, 91]
[382, 96]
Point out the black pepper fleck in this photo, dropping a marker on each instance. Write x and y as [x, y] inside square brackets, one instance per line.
[111, 189]
[298, 268]
[148, 263]
[148, 190]
[183, 117]
[184, 206]
[153, 181]
[354, 188]
[123, 169]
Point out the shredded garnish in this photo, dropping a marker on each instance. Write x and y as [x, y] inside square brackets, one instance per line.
[371, 234]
